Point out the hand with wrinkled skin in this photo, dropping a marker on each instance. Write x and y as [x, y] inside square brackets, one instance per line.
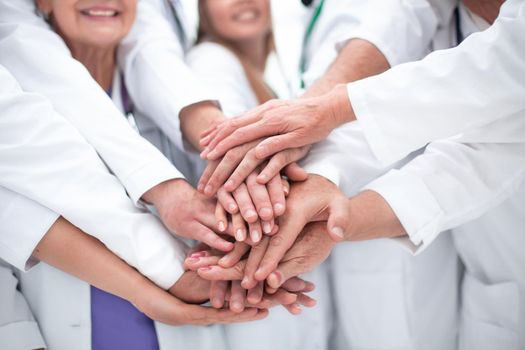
[287, 124]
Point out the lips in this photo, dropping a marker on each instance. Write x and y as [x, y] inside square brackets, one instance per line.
[100, 12]
[246, 15]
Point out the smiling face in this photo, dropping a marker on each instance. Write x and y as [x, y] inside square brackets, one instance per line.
[98, 23]
[235, 20]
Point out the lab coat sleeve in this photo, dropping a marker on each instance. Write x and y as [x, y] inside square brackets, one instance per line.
[402, 30]
[40, 61]
[451, 183]
[157, 77]
[18, 235]
[18, 328]
[448, 92]
[45, 159]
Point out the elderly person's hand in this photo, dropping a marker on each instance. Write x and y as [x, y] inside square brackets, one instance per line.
[287, 124]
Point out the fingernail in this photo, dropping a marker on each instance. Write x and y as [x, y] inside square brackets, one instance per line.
[256, 236]
[338, 232]
[205, 268]
[236, 306]
[279, 209]
[204, 153]
[245, 281]
[229, 184]
[259, 272]
[216, 302]
[267, 227]
[200, 187]
[265, 212]
[193, 259]
[286, 191]
[211, 154]
[221, 226]
[275, 279]
[208, 190]
[261, 151]
[250, 213]
[224, 260]
[239, 235]
[232, 207]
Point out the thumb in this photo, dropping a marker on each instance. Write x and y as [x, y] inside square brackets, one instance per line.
[295, 172]
[285, 271]
[338, 220]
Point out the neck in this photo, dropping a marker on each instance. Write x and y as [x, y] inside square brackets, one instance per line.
[254, 52]
[100, 62]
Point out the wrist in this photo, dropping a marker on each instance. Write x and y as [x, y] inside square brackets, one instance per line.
[339, 106]
[372, 218]
[158, 194]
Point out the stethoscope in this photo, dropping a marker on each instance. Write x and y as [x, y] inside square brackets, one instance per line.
[308, 35]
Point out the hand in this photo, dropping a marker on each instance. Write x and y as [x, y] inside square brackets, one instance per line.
[187, 213]
[309, 201]
[159, 305]
[191, 288]
[290, 124]
[311, 248]
[239, 162]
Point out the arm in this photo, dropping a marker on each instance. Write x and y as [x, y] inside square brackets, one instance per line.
[76, 96]
[456, 90]
[18, 328]
[45, 159]
[70, 250]
[159, 81]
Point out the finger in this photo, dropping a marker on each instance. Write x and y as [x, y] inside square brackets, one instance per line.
[226, 129]
[242, 171]
[240, 136]
[227, 165]
[275, 144]
[194, 263]
[283, 297]
[238, 297]
[279, 161]
[200, 248]
[218, 273]
[206, 174]
[296, 284]
[235, 255]
[218, 293]
[305, 300]
[200, 315]
[294, 308]
[221, 217]
[255, 232]
[260, 197]
[207, 236]
[295, 173]
[255, 294]
[285, 271]
[338, 220]
[253, 261]
[239, 227]
[227, 201]
[276, 192]
[244, 202]
[290, 227]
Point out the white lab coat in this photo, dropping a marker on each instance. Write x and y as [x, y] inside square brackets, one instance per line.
[16, 317]
[59, 302]
[384, 298]
[222, 72]
[77, 97]
[454, 180]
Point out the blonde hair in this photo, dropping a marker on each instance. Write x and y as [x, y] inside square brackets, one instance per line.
[256, 80]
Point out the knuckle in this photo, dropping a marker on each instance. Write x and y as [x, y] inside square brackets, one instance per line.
[277, 240]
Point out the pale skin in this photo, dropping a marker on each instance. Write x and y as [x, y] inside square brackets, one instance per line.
[68, 249]
[92, 38]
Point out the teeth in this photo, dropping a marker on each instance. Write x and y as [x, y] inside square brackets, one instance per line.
[247, 15]
[101, 13]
